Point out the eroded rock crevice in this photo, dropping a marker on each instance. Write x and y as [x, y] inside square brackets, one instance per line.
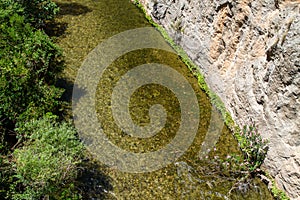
[249, 53]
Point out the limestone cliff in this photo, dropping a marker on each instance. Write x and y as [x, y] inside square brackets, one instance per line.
[249, 53]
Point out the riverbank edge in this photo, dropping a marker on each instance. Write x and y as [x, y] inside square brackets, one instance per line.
[214, 99]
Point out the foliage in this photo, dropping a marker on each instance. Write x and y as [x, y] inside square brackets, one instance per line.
[2, 144]
[47, 163]
[241, 165]
[277, 193]
[254, 150]
[29, 63]
[213, 97]
[253, 147]
[230, 166]
[35, 12]
[5, 174]
[38, 11]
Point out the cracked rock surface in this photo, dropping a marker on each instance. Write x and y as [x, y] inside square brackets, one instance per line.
[249, 53]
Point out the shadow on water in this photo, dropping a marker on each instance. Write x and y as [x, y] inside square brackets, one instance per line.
[73, 8]
[66, 107]
[92, 183]
[85, 25]
[56, 29]
[67, 85]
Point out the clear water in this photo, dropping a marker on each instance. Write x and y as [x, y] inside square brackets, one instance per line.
[80, 27]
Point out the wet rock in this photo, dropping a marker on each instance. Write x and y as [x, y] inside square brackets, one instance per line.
[249, 54]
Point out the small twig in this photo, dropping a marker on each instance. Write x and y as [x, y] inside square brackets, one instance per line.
[18, 142]
[234, 186]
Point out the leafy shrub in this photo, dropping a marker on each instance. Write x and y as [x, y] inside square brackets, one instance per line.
[47, 163]
[29, 64]
[242, 165]
[35, 12]
[5, 174]
[3, 168]
[253, 152]
[254, 148]
[39, 11]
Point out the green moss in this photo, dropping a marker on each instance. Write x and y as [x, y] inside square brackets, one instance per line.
[278, 193]
[214, 98]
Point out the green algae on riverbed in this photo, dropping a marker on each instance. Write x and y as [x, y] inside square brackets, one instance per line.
[87, 24]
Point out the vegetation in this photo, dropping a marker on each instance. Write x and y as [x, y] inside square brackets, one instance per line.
[253, 152]
[35, 12]
[38, 154]
[242, 166]
[48, 159]
[253, 148]
[277, 193]
[214, 98]
[251, 144]
[29, 63]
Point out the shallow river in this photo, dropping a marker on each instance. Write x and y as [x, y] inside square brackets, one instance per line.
[84, 24]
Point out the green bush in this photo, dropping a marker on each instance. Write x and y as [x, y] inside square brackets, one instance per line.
[47, 163]
[253, 152]
[29, 64]
[35, 12]
[253, 147]
[39, 11]
[44, 160]
[3, 166]
[5, 175]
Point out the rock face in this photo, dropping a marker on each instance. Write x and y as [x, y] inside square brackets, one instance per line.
[249, 52]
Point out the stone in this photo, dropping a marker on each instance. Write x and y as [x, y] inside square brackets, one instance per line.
[249, 53]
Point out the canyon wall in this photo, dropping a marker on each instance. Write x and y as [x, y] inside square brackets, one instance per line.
[249, 53]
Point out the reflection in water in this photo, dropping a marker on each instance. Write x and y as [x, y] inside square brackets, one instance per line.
[190, 177]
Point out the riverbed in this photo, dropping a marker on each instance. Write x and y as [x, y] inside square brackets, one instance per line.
[79, 28]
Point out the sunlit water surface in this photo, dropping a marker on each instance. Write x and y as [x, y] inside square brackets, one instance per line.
[80, 27]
